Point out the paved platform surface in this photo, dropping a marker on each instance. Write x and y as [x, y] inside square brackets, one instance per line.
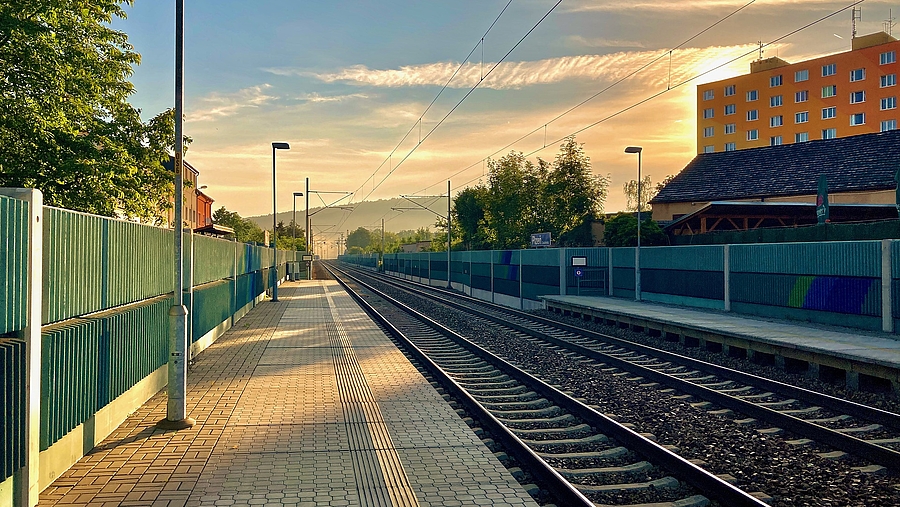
[840, 342]
[304, 402]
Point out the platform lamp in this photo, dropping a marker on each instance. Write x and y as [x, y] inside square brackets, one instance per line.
[275, 146]
[637, 251]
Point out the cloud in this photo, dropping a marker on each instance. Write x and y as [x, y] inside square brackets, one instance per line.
[599, 42]
[217, 105]
[680, 6]
[315, 98]
[517, 75]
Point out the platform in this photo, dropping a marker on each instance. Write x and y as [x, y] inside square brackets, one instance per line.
[304, 402]
[790, 344]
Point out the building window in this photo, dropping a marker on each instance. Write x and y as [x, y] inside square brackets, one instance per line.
[829, 133]
[752, 115]
[801, 137]
[888, 125]
[708, 113]
[775, 81]
[709, 131]
[857, 75]
[829, 91]
[730, 128]
[776, 121]
[829, 112]
[857, 97]
[801, 117]
[858, 119]
[709, 149]
[730, 147]
[888, 57]
[752, 96]
[801, 75]
[752, 135]
[888, 103]
[729, 90]
[730, 109]
[829, 70]
[801, 96]
[775, 101]
[775, 141]
[888, 80]
[709, 94]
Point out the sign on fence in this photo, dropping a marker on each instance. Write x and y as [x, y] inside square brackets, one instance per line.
[540, 239]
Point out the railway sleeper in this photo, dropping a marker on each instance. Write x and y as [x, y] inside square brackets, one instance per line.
[641, 467]
[567, 443]
[667, 482]
[605, 454]
[551, 422]
[472, 375]
[500, 398]
[567, 431]
[693, 501]
[861, 429]
[507, 391]
[826, 420]
[528, 414]
[518, 405]
[486, 383]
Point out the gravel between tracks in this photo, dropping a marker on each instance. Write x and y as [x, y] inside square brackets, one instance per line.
[793, 476]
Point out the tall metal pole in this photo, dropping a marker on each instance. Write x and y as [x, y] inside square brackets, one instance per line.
[637, 253]
[308, 232]
[274, 232]
[449, 284]
[382, 244]
[176, 407]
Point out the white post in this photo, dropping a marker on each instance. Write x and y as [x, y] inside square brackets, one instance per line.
[727, 268]
[610, 288]
[887, 317]
[27, 478]
[563, 270]
[492, 277]
[521, 296]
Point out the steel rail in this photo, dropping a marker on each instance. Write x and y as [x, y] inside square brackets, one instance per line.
[707, 483]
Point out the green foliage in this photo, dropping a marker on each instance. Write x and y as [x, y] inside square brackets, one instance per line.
[621, 230]
[245, 230]
[648, 191]
[521, 198]
[66, 127]
[362, 239]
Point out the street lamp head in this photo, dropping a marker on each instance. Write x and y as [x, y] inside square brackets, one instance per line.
[633, 149]
[298, 194]
[281, 146]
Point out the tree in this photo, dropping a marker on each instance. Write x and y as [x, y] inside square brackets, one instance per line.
[648, 191]
[66, 127]
[621, 230]
[361, 238]
[244, 230]
[469, 216]
[574, 195]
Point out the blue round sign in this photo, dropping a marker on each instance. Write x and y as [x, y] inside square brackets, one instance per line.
[579, 272]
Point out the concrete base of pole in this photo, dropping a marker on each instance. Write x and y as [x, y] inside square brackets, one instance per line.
[180, 424]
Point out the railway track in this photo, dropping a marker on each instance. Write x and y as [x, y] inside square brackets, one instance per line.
[580, 455]
[869, 433]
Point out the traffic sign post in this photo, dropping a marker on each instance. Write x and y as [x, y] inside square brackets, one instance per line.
[579, 272]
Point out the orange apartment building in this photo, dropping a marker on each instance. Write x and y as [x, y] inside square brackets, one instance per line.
[839, 95]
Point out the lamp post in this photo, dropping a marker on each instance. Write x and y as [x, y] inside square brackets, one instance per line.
[275, 146]
[637, 251]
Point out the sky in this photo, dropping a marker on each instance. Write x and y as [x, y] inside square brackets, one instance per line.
[348, 84]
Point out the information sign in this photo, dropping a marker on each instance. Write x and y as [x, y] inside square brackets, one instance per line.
[578, 260]
[540, 239]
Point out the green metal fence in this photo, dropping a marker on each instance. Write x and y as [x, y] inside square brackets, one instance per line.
[12, 406]
[14, 217]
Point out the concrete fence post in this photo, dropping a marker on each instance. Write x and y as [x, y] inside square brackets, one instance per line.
[26, 480]
[609, 252]
[887, 314]
[562, 272]
[521, 296]
[727, 270]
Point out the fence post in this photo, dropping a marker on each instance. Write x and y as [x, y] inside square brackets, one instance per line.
[610, 255]
[562, 271]
[727, 269]
[234, 307]
[492, 277]
[521, 296]
[26, 480]
[887, 314]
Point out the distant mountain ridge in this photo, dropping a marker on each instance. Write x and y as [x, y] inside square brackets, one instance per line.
[366, 214]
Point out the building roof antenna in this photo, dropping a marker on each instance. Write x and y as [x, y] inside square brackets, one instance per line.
[855, 15]
[889, 23]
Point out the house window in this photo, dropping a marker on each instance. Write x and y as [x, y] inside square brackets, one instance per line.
[730, 147]
[709, 131]
[801, 75]
[829, 70]
[801, 96]
[709, 149]
[829, 112]
[858, 119]
[888, 125]
[729, 90]
[752, 95]
[829, 133]
[708, 113]
[857, 97]
[730, 109]
[709, 94]
[801, 117]
[829, 91]
[775, 141]
[801, 137]
[888, 103]
[776, 121]
[775, 81]
[857, 75]
[775, 101]
[888, 57]
[888, 80]
[730, 128]
[752, 135]
[752, 115]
